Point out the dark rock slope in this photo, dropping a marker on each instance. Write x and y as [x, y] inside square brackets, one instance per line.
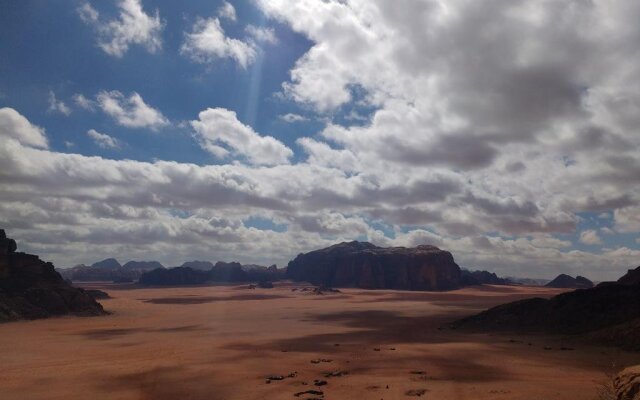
[609, 314]
[632, 277]
[31, 288]
[564, 281]
[363, 265]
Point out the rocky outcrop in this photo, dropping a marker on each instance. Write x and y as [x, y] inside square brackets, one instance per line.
[142, 265]
[472, 278]
[363, 265]
[564, 281]
[632, 277]
[626, 384]
[607, 314]
[31, 288]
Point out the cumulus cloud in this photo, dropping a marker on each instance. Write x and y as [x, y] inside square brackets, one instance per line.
[207, 43]
[57, 106]
[16, 126]
[227, 10]
[103, 140]
[131, 111]
[262, 34]
[590, 237]
[489, 133]
[133, 27]
[223, 135]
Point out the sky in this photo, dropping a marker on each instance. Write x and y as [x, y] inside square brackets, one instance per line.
[504, 131]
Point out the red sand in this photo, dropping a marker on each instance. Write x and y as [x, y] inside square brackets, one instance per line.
[221, 342]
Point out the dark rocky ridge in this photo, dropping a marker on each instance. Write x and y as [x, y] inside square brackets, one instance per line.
[564, 281]
[221, 272]
[471, 278]
[31, 288]
[142, 265]
[632, 277]
[363, 265]
[608, 314]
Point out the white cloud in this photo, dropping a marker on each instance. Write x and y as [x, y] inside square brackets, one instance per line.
[262, 34]
[227, 11]
[83, 102]
[16, 126]
[291, 118]
[103, 140]
[133, 27]
[590, 237]
[87, 13]
[57, 106]
[131, 112]
[220, 133]
[207, 43]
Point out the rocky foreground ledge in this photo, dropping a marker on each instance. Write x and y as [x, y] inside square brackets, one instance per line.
[364, 265]
[31, 288]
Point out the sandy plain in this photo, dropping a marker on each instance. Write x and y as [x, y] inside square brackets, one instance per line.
[221, 342]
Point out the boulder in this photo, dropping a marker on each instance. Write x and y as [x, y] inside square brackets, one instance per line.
[363, 265]
[627, 384]
[31, 288]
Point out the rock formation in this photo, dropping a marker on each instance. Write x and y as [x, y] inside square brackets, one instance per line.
[564, 281]
[632, 277]
[109, 263]
[627, 384]
[363, 265]
[31, 288]
[608, 314]
[201, 265]
[174, 276]
[471, 278]
[142, 265]
[221, 272]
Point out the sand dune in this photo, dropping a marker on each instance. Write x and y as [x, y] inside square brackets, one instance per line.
[218, 342]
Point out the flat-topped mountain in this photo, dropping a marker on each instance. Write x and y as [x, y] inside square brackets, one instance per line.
[564, 281]
[364, 265]
[200, 265]
[31, 288]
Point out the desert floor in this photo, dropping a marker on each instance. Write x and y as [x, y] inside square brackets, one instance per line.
[220, 342]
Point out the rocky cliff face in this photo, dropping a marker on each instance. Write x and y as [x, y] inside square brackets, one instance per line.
[31, 288]
[363, 265]
[564, 281]
[632, 277]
